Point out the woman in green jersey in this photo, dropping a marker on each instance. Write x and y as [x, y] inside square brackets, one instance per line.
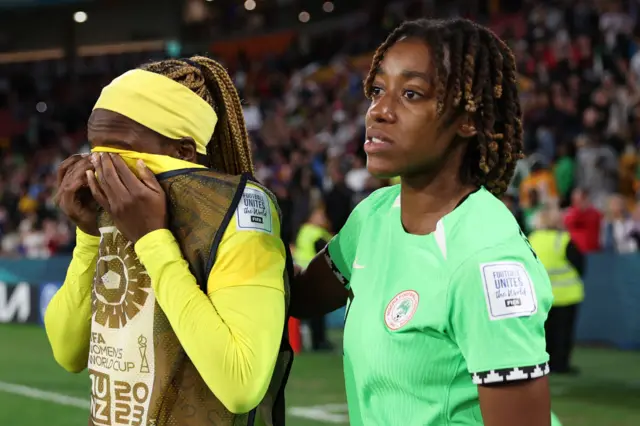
[446, 301]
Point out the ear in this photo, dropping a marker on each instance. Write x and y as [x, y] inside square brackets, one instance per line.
[186, 150]
[466, 127]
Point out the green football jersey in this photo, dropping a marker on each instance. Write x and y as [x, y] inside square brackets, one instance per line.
[433, 316]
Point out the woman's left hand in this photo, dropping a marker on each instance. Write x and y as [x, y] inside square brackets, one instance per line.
[137, 206]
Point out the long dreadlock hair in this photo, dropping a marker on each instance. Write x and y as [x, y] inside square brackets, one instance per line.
[229, 150]
[475, 73]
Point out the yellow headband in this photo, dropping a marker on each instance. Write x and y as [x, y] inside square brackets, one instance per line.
[162, 105]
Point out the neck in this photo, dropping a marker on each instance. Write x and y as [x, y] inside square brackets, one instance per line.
[425, 200]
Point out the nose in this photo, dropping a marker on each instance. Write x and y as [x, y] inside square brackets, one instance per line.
[382, 110]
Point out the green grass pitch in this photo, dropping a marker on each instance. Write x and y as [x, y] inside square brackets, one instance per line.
[607, 393]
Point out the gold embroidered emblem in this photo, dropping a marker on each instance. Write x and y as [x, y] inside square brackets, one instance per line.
[122, 284]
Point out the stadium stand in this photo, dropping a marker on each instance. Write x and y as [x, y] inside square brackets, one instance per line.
[579, 80]
[300, 77]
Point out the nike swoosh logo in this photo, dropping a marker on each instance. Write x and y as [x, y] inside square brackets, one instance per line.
[356, 266]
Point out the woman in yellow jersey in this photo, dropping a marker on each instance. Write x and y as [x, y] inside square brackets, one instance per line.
[176, 296]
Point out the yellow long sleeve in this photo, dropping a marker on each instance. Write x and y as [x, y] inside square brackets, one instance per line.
[232, 334]
[68, 316]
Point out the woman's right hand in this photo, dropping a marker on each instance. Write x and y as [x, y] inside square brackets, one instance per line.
[74, 196]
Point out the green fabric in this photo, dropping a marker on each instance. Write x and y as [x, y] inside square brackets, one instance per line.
[555, 421]
[564, 172]
[433, 316]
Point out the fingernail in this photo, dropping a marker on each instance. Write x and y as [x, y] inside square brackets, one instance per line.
[94, 158]
[141, 163]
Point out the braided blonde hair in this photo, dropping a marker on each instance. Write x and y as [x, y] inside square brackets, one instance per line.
[229, 150]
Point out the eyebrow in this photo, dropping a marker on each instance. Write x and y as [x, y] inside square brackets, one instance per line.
[411, 74]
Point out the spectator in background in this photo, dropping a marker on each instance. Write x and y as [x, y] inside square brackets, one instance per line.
[339, 199]
[582, 221]
[614, 22]
[283, 197]
[617, 227]
[564, 173]
[34, 242]
[597, 167]
[522, 170]
[304, 195]
[541, 180]
[628, 180]
[313, 236]
[252, 116]
[634, 121]
[635, 231]
[356, 179]
[529, 213]
[565, 265]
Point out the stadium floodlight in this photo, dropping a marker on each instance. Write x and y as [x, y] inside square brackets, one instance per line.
[250, 4]
[304, 17]
[327, 6]
[41, 107]
[80, 17]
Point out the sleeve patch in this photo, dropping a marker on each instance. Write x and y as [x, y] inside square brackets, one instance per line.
[508, 290]
[507, 375]
[254, 212]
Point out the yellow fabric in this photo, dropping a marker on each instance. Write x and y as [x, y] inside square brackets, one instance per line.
[551, 246]
[155, 163]
[232, 334]
[27, 205]
[67, 320]
[162, 105]
[305, 243]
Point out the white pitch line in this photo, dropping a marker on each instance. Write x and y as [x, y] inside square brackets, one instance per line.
[42, 395]
[324, 413]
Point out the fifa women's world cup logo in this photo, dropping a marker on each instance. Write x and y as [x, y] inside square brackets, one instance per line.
[142, 347]
[122, 285]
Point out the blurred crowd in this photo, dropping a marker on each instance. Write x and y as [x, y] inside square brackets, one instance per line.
[580, 82]
[580, 75]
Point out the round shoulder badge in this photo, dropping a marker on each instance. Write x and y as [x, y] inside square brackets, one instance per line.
[400, 309]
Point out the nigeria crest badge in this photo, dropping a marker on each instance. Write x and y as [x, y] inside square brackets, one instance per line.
[400, 309]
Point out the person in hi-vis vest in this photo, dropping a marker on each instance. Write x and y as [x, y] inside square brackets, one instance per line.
[565, 265]
[312, 237]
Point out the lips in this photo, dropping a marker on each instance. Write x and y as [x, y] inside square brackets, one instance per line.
[376, 136]
[377, 142]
